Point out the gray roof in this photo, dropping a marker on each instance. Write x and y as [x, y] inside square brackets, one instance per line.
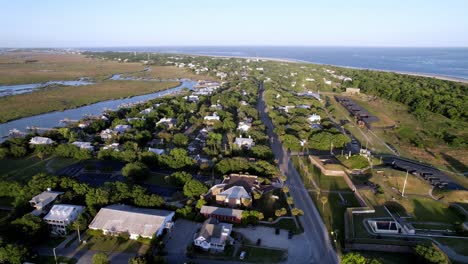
[221, 211]
[123, 218]
[235, 192]
[45, 198]
[212, 230]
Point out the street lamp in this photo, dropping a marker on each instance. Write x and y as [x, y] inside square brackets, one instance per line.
[55, 256]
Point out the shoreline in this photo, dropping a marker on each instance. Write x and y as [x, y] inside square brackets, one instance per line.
[288, 60]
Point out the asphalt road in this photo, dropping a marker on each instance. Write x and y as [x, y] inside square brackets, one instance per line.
[316, 234]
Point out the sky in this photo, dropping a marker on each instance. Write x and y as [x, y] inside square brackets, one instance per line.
[103, 23]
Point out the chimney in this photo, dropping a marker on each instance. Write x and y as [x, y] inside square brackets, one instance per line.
[49, 189]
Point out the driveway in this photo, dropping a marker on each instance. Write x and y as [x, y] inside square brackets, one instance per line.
[179, 238]
[296, 247]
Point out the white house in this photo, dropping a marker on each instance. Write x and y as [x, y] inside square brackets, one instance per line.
[137, 222]
[83, 145]
[41, 141]
[314, 118]
[327, 81]
[244, 126]
[122, 128]
[60, 216]
[113, 146]
[107, 134]
[192, 98]
[310, 80]
[146, 111]
[213, 117]
[43, 201]
[157, 151]
[168, 122]
[213, 235]
[244, 142]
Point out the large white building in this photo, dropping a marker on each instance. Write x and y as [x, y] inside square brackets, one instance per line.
[60, 216]
[83, 145]
[137, 222]
[41, 141]
[244, 142]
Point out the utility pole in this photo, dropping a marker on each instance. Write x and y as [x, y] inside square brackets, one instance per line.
[55, 256]
[78, 231]
[404, 185]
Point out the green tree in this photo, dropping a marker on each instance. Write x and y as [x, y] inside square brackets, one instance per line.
[431, 254]
[30, 227]
[101, 258]
[14, 254]
[296, 211]
[200, 203]
[353, 258]
[194, 188]
[138, 260]
[135, 170]
[180, 178]
[180, 140]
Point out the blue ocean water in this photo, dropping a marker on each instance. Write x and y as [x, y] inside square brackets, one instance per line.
[450, 62]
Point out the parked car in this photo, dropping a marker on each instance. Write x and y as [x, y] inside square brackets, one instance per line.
[290, 234]
[277, 231]
[259, 241]
[242, 255]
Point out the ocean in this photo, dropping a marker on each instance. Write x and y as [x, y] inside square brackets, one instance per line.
[448, 62]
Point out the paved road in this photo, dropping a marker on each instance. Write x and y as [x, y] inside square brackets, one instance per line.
[316, 234]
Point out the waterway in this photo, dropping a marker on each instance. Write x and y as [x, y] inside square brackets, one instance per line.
[52, 119]
[8, 90]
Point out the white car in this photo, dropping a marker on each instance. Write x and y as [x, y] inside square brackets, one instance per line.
[242, 255]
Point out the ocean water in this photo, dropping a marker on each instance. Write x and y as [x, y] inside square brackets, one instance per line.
[449, 62]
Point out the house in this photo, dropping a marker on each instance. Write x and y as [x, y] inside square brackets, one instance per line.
[310, 80]
[113, 146]
[244, 126]
[167, 122]
[157, 151]
[107, 134]
[235, 190]
[216, 106]
[41, 141]
[43, 201]
[314, 118]
[146, 111]
[222, 214]
[192, 98]
[259, 69]
[83, 145]
[286, 108]
[120, 129]
[60, 216]
[211, 118]
[327, 81]
[353, 91]
[303, 106]
[213, 235]
[137, 222]
[244, 142]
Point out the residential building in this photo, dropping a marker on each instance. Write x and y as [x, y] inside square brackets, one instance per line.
[83, 145]
[235, 190]
[120, 129]
[167, 122]
[146, 111]
[43, 201]
[244, 142]
[213, 235]
[41, 141]
[314, 118]
[353, 91]
[244, 126]
[157, 151]
[107, 134]
[61, 216]
[222, 214]
[192, 98]
[213, 117]
[137, 222]
[113, 146]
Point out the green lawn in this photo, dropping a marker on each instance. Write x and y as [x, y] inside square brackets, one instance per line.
[324, 182]
[263, 255]
[58, 163]
[158, 179]
[354, 162]
[333, 210]
[426, 209]
[286, 224]
[112, 244]
[22, 169]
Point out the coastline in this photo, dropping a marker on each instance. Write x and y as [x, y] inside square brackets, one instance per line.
[288, 60]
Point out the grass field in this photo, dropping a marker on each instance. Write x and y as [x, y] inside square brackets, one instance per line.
[323, 182]
[158, 179]
[268, 203]
[167, 72]
[388, 257]
[354, 162]
[65, 97]
[263, 255]
[23, 169]
[55, 67]
[458, 245]
[332, 212]
[426, 209]
[113, 244]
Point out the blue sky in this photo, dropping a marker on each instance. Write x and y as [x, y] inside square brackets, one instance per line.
[93, 23]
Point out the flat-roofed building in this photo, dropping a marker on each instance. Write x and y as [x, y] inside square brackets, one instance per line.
[222, 214]
[43, 201]
[137, 222]
[61, 216]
